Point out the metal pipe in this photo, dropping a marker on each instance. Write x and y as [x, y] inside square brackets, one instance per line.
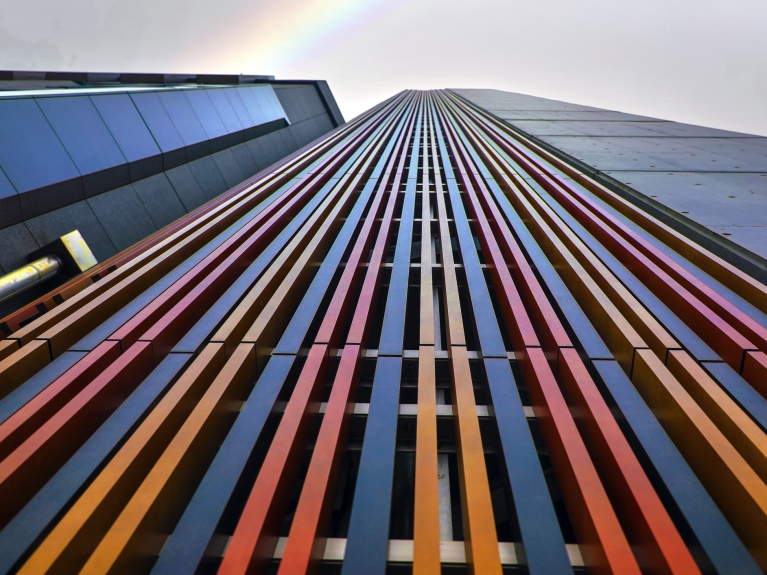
[30, 275]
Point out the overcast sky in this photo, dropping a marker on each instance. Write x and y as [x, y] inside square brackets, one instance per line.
[697, 61]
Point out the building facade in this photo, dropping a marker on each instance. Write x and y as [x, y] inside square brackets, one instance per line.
[424, 343]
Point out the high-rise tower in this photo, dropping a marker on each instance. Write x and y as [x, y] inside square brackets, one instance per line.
[431, 340]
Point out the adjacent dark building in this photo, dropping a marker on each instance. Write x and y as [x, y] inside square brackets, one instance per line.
[119, 157]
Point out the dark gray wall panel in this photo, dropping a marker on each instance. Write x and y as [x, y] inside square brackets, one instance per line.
[51, 226]
[31, 154]
[302, 102]
[123, 216]
[273, 146]
[336, 117]
[229, 168]
[307, 131]
[499, 100]
[665, 154]
[303, 132]
[323, 124]
[257, 151]
[17, 242]
[596, 127]
[131, 134]
[730, 204]
[207, 175]
[10, 207]
[297, 132]
[289, 144]
[258, 154]
[294, 106]
[589, 128]
[706, 183]
[261, 151]
[586, 116]
[309, 101]
[187, 188]
[282, 146]
[292, 98]
[244, 160]
[315, 104]
[42, 200]
[313, 126]
[160, 200]
[88, 142]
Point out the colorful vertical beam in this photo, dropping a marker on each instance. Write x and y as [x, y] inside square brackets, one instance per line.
[479, 524]
[538, 525]
[306, 539]
[253, 540]
[368, 539]
[426, 532]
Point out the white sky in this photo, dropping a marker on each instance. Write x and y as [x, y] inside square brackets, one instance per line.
[697, 61]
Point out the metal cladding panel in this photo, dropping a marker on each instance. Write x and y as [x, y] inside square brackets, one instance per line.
[126, 125]
[665, 154]
[706, 183]
[21, 241]
[225, 109]
[417, 344]
[160, 199]
[206, 113]
[301, 101]
[269, 101]
[182, 115]
[6, 189]
[330, 102]
[256, 104]
[584, 116]
[157, 120]
[31, 154]
[616, 128]
[238, 104]
[83, 133]
[187, 188]
[110, 209]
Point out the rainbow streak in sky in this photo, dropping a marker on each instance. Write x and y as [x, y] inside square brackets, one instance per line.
[289, 31]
